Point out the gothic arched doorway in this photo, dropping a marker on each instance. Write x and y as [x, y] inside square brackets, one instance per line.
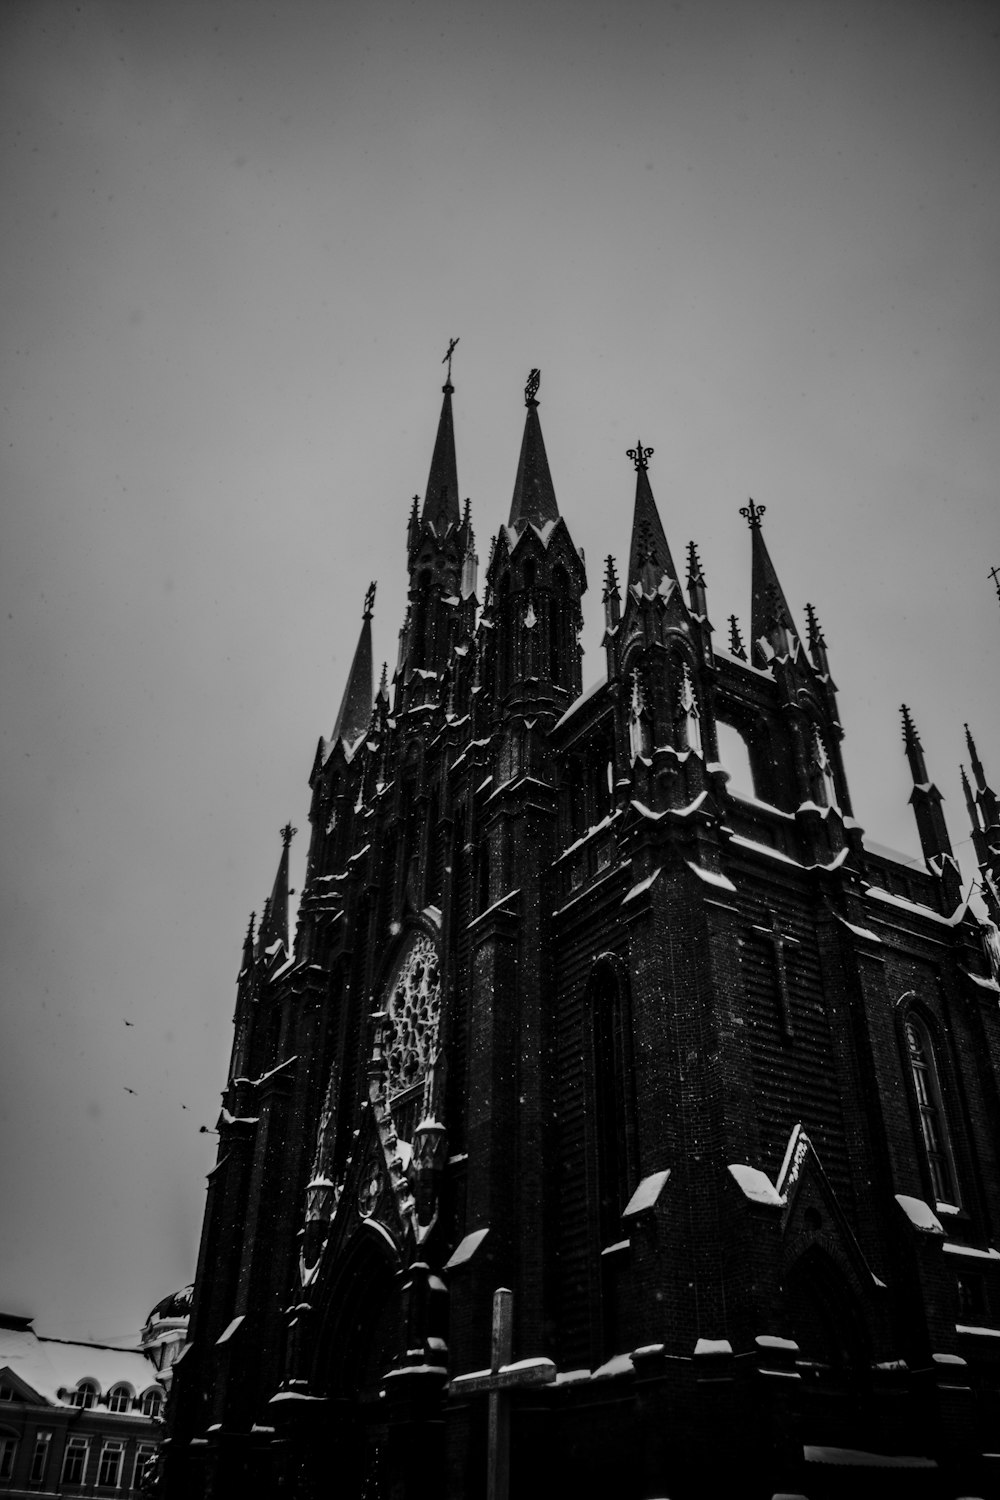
[831, 1331]
[358, 1341]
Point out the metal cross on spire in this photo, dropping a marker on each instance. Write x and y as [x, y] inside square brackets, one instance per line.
[370, 596]
[287, 834]
[995, 575]
[531, 389]
[752, 514]
[447, 359]
[639, 455]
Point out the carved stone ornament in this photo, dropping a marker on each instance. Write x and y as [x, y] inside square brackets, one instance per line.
[412, 1007]
[370, 1187]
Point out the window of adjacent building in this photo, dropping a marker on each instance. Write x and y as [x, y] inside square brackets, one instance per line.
[152, 1401]
[85, 1394]
[8, 1448]
[39, 1457]
[109, 1471]
[75, 1460]
[143, 1454]
[7, 1391]
[933, 1128]
[119, 1398]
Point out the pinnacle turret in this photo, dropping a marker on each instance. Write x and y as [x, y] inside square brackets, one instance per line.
[914, 749]
[736, 645]
[696, 583]
[770, 617]
[649, 560]
[925, 799]
[356, 704]
[534, 496]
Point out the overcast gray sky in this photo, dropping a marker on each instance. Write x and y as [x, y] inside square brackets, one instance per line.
[763, 237]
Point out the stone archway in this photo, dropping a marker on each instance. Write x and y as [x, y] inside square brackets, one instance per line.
[359, 1337]
[831, 1329]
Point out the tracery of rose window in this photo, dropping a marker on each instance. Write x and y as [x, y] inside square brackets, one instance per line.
[412, 1008]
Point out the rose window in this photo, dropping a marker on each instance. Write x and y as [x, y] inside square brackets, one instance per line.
[412, 1010]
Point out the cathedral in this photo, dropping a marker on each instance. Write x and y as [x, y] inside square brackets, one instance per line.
[617, 1120]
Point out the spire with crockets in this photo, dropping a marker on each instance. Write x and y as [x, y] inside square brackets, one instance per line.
[925, 799]
[984, 815]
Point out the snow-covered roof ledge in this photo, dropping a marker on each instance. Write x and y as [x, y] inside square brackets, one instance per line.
[755, 1185]
[646, 1194]
[920, 1215]
[712, 1347]
[466, 1248]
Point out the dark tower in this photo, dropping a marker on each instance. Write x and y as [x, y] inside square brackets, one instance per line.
[620, 1120]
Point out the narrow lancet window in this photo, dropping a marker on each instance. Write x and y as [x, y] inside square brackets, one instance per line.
[690, 714]
[933, 1129]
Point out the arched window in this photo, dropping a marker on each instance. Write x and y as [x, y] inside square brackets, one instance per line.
[560, 628]
[152, 1402]
[689, 714]
[734, 754]
[8, 1450]
[85, 1394]
[119, 1398]
[639, 737]
[933, 1126]
[611, 1099]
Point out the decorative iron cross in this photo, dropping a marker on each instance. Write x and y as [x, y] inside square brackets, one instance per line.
[995, 575]
[447, 358]
[779, 940]
[752, 514]
[287, 834]
[531, 389]
[370, 598]
[639, 455]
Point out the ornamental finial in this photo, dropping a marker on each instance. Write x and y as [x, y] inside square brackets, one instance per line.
[447, 361]
[736, 645]
[287, 834]
[639, 455]
[531, 389]
[752, 514]
[370, 599]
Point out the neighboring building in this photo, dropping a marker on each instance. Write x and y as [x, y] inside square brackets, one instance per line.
[621, 1121]
[75, 1418]
[164, 1338]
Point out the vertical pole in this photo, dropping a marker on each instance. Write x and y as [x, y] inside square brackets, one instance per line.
[501, 1347]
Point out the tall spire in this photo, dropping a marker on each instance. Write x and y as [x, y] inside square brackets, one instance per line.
[274, 922]
[770, 617]
[534, 497]
[356, 704]
[441, 502]
[986, 798]
[649, 560]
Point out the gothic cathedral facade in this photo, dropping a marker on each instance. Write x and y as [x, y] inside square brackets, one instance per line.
[618, 1121]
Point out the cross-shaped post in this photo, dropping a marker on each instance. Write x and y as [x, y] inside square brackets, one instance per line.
[995, 575]
[496, 1383]
[498, 1438]
[779, 940]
